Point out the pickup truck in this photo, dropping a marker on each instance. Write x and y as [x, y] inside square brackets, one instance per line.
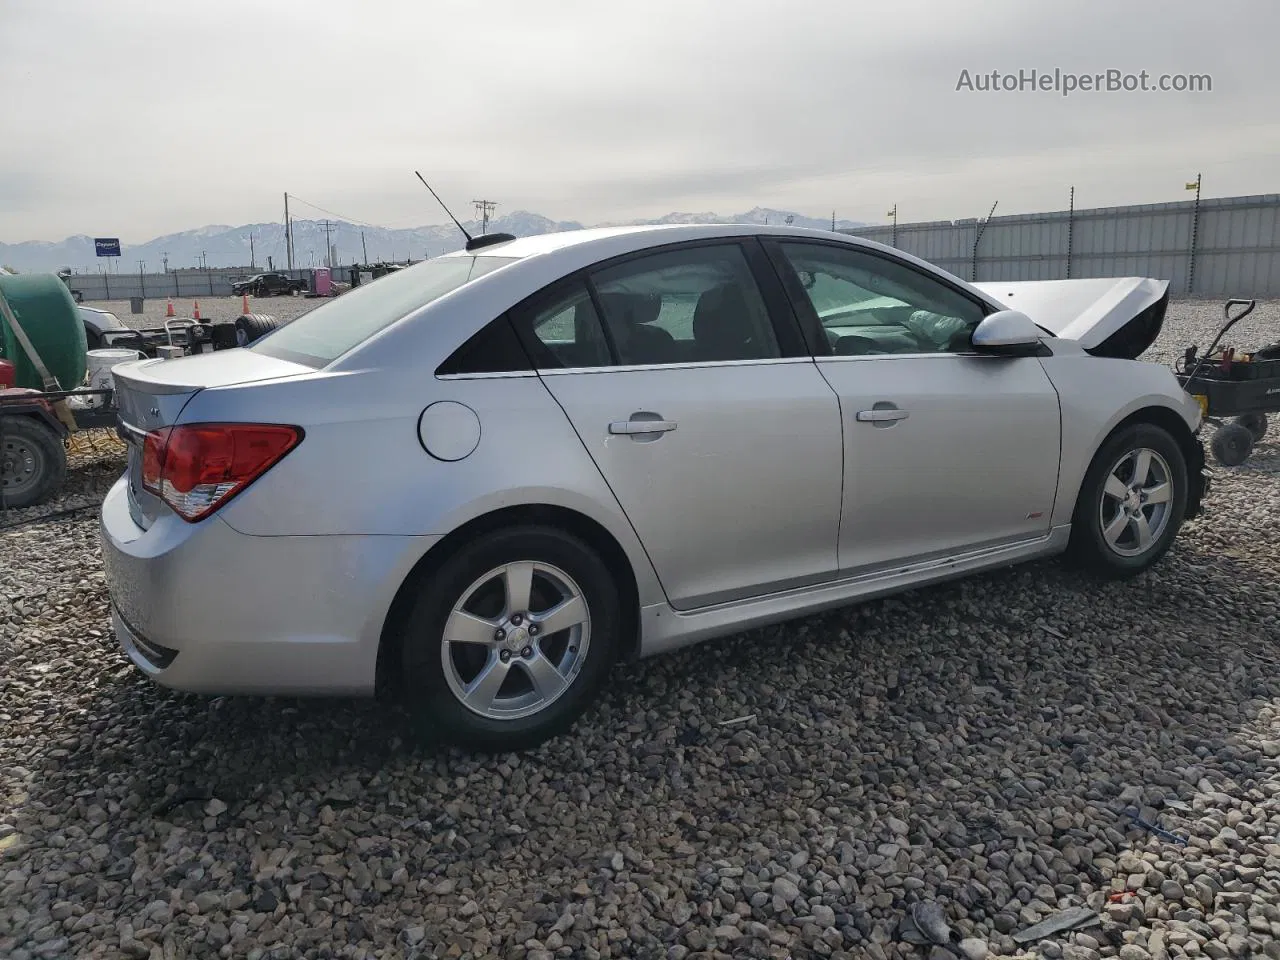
[268, 284]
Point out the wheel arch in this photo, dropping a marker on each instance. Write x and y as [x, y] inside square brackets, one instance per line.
[561, 518]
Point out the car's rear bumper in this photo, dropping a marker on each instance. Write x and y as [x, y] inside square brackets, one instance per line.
[206, 609]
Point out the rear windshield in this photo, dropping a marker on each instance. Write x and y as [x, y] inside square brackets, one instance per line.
[321, 336]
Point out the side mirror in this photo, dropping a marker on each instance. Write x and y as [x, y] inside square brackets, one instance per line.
[1008, 332]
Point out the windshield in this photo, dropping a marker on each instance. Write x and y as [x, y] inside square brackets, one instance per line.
[321, 336]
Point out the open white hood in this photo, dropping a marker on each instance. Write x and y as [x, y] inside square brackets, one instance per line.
[1108, 316]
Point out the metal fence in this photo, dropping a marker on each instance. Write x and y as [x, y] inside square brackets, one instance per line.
[181, 285]
[1228, 246]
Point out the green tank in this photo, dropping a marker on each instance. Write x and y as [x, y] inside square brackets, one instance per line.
[43, 305]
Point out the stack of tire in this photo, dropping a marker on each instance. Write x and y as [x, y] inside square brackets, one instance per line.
[243, 331]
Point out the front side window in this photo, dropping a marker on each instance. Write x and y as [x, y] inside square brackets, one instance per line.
[321, 336]
[869, 304]
[690, 305]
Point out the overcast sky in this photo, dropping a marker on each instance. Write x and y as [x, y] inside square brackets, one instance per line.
[136, 117]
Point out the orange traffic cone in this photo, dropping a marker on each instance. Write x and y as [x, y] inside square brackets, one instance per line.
[195, 312]
[244, 304]
[168, 310]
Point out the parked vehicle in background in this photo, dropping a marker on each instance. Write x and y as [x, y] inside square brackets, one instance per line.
[483, 479]
[65, 275]
[268, 284]
[98, 323]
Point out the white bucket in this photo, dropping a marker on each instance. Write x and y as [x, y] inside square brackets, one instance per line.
[100, 363]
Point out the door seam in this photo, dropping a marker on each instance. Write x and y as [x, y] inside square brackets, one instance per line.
[845, 453]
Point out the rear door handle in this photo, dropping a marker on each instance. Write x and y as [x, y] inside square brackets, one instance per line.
[882, 415]
[640, 427]
[643, 424]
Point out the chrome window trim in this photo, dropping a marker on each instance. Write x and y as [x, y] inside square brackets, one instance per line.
[628, 368]
[910, 356]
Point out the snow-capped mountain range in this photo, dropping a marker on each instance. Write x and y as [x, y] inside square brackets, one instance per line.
[225, 246]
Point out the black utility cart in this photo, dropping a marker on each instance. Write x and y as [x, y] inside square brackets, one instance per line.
[1236, 390]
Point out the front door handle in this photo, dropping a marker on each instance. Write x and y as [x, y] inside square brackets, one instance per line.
[882, 415]
[643, 424]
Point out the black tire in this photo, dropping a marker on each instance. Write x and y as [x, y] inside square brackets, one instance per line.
[1088, 547]
[33, 462]
[1255, 423]
[441, 716]
[251, 326]
[1231, 444]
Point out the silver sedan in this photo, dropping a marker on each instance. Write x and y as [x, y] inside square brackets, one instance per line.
[480, 481]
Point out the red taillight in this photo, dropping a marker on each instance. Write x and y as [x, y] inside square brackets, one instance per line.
[198, 467]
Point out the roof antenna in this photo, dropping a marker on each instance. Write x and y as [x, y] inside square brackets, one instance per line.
[473, 243]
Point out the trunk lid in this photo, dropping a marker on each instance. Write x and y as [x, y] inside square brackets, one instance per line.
[1108, 316]
[150, 394]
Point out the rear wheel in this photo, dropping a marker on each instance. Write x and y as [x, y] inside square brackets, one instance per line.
[33, 462]
[1255, 423]
[1131, 504]
[510, 639]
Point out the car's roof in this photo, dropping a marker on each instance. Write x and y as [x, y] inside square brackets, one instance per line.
[635, 238]
[532, 263]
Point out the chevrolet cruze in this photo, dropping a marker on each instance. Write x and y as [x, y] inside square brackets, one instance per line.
[478, 482]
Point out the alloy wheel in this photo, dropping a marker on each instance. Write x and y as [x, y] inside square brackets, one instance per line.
[1137, 502]
[516, 640]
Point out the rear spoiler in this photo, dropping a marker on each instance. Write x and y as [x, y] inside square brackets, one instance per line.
[1109, 316]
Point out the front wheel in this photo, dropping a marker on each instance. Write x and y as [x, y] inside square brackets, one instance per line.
[510, 639]
[1231, 444]
[1131, 504]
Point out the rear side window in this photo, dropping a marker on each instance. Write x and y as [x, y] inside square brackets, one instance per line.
[692, 305]
[327, 332]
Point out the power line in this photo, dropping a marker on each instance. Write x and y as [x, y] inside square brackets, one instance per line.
[363, 223]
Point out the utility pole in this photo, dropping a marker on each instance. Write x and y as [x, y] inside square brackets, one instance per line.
[328, 246]
[833, 221]
[978, 232]
[894, 213]
[253, 263]
[1071, 226]
[165, 257]
[288, 232]
[1195, 226]
[364, 247]
[484, 209]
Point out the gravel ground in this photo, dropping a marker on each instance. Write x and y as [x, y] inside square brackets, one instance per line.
[972, 746]
[211, 308]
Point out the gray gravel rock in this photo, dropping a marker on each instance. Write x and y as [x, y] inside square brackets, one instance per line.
[970, 745]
